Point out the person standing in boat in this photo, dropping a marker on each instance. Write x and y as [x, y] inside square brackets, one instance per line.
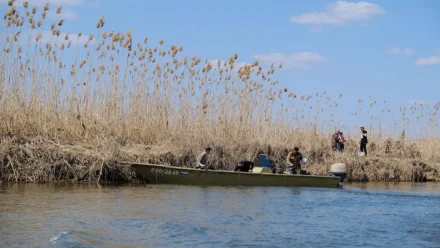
[364, 141]
[202, 160]
[294, 160]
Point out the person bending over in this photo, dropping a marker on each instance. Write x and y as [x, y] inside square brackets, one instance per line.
[202, 160]
[244, 166]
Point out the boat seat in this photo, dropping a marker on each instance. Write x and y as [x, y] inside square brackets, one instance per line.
[263, 170]
[262, 164]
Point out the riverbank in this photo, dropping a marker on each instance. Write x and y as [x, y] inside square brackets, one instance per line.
[39, 159]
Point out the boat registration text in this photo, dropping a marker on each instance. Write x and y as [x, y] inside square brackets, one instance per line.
[168, 172]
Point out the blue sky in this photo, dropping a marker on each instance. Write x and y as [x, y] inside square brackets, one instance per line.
[390, 49]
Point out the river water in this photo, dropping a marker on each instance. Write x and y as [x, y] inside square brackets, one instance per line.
[90, 215]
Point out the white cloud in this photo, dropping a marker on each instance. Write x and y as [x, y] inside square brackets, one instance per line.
[433, 60]
[300, 60]
[428, 61]
[237, 66]
[65, 14]
[48, 37]
[339, 13]
[403, 51]
[241, 64]
[43, 2]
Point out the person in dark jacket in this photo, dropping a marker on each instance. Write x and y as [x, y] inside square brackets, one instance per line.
[364, 141]
[244, 166]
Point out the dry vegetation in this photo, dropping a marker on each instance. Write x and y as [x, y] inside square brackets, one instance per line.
[73, 105]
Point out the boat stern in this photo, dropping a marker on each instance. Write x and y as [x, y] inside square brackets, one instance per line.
[339, 170]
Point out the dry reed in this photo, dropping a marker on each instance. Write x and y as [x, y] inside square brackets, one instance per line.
[123, 99]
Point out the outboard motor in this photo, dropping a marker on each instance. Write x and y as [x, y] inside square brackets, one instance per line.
[339, 170]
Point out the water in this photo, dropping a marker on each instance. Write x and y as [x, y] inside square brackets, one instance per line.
[360, 215]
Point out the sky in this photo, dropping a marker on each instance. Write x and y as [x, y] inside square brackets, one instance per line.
[389, 49]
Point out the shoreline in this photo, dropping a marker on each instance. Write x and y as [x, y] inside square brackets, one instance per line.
[36, 159]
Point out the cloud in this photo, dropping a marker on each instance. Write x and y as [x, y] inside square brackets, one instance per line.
[428, 61]
[237, 66]
[399, 51]
[433, 60]
[417, 102]
[241, 64]
[300, 60]
[43, 2]
[339, 13]
[65, 14]
[48, 37]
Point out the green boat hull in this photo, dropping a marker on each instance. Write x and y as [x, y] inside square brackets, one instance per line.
[163, 174]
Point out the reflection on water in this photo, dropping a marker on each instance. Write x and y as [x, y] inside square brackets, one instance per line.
[395, 186]
[83, 215]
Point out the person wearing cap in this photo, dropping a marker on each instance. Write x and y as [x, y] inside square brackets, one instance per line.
[294, 160]
[202, 159]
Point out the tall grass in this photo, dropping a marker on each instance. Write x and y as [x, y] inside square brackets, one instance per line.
[75, 104]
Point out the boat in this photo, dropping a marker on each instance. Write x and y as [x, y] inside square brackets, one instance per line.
[260, 176]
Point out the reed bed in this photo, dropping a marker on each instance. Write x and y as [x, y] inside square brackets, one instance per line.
[75, 105]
